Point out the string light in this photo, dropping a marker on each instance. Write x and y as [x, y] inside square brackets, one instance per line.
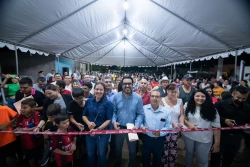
[125, 5]
[125, 32]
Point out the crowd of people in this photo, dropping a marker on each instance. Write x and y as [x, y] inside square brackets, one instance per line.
[103, 101]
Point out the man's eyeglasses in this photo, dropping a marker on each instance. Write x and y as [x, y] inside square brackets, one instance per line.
[108, 82]
[124, 84]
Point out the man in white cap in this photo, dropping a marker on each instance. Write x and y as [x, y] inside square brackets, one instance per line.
[163, 83]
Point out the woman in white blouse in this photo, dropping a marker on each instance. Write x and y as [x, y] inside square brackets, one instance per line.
[204, 84]
[175, 107]
[201, 113]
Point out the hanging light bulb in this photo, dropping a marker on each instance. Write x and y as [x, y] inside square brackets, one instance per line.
[125, 5]
[125, 32]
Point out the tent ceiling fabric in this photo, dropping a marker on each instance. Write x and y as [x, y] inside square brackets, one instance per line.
[159, 32]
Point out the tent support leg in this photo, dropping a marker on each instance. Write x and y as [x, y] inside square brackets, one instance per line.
[219, 68]
[17, 71]
[235, 65]
[2, 90]
[58, 64]
[171, 73]
[174, 75]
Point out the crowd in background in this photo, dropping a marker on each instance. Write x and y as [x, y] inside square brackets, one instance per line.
[102, 101]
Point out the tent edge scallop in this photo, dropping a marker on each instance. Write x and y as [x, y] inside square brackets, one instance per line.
[22, 49]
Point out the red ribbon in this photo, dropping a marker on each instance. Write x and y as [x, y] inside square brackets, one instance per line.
[122, 131]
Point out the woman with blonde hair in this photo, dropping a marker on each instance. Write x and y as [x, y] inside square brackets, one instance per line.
[75, 84]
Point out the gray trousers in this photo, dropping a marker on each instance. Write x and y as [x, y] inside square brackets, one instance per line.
[201, 149]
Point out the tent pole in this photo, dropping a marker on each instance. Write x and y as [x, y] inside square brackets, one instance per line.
[171, 72]
[124, 52]
[219, 68]
[190, 67]
[235, 65]
[58, 62]
[17, 71]
[2, 90]
[174, 75]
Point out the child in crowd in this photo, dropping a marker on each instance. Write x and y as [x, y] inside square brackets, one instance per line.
[63, 145]
[50, 126]
[75, 110]
[7, 140]
[226, 95]
[52, 111]
[32, 145]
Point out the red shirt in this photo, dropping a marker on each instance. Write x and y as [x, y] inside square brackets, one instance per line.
[145, 98]
[29, 141]
[64, 143]
[66, 92]
[154, 84]
[214, 100]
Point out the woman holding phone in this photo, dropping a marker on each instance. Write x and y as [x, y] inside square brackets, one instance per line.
[12, 86]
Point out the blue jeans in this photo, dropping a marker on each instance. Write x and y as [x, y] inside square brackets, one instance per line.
[153, 146]
[202, 150]
[99, 142]
[119, 139]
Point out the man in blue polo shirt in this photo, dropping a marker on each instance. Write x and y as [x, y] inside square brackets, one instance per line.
[110, 93]
[128, 108]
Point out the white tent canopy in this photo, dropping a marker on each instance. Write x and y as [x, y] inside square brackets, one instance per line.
[159, 32]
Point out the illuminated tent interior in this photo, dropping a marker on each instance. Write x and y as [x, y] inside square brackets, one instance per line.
[127, 33]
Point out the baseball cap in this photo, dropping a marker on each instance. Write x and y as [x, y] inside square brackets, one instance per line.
[187, 76]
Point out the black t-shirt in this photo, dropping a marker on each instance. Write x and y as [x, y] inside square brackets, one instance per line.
[38, 97]
[76, 111]
[227, 110]
[50, 126]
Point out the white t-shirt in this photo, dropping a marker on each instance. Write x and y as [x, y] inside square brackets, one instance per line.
[175, 111]
[92, 90]
[203, 86]
[69, 87]
[205, 136]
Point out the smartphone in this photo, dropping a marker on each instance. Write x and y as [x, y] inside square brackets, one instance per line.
[234, 122]
[12, 75]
